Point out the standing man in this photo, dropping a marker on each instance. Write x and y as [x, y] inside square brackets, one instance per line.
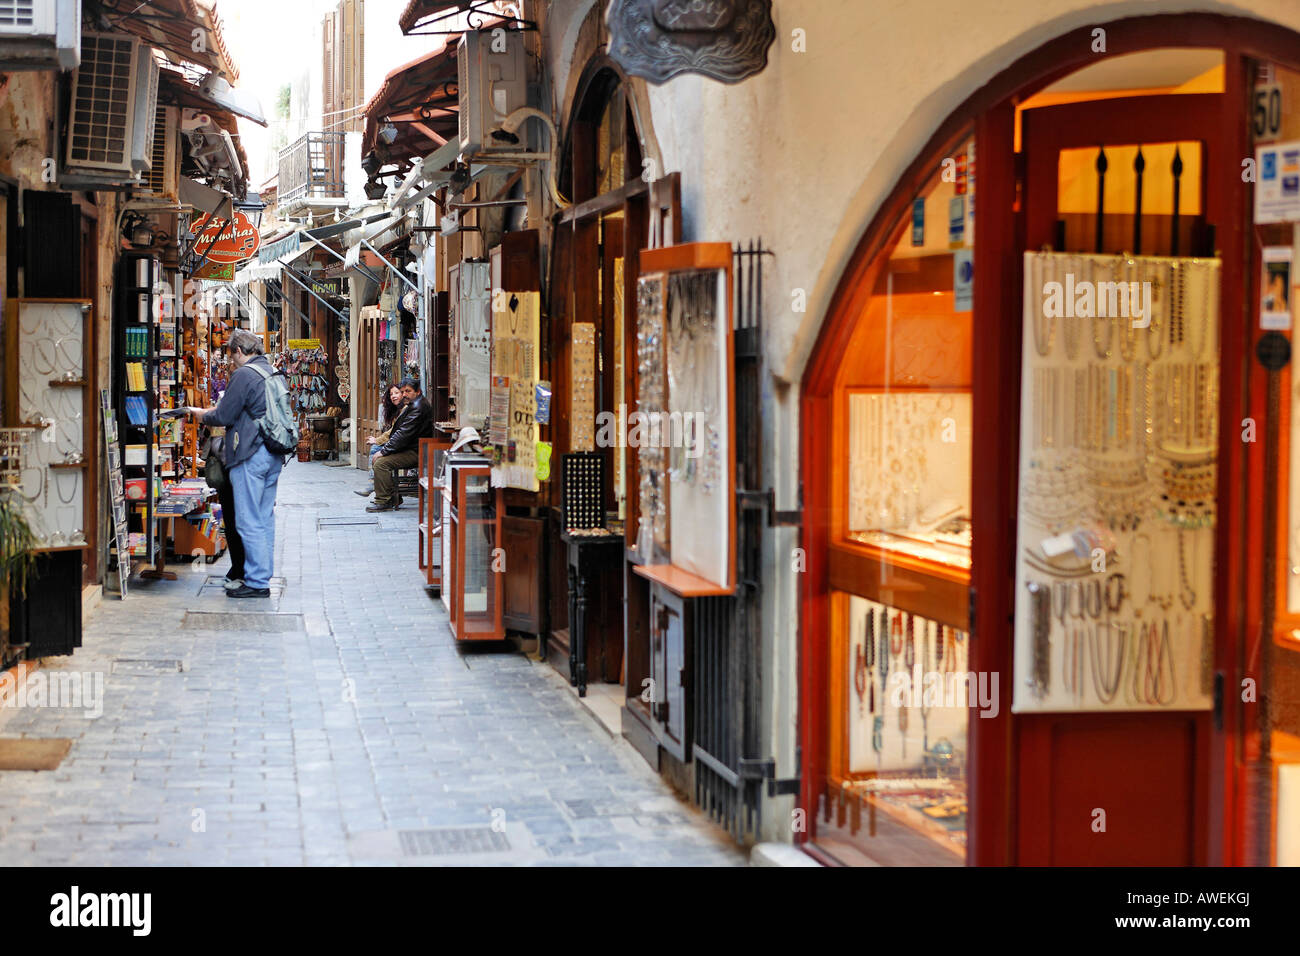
[253, 469]
[402, 450]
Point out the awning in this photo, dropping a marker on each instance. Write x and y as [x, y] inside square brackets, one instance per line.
[379, 233]
[171, 26]
[419, 98]
[271, 269]
[446, 16]
[430, 171]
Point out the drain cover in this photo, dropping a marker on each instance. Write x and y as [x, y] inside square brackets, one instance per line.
[323, 523]
[147, 666]
[446, 841]
[262, 623]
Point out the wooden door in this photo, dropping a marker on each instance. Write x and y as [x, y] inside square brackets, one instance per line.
[367, 387]
[1148, 771]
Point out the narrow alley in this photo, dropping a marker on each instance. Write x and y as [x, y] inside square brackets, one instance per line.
[336, 723]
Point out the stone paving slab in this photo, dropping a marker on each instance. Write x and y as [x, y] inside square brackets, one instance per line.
[323, 744]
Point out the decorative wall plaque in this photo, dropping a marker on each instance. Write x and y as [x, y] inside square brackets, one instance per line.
[726, 40]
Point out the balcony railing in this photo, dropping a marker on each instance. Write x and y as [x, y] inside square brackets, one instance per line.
[312, 168]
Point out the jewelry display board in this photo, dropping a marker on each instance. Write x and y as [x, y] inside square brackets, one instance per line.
[1118, 477]
[515, 334]
[46, 391]
[582, 376]
[910, 696]
[652, 535]
[684, 309]
[904, 493]
[474, 355]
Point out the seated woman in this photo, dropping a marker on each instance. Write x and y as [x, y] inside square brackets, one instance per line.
[389, 409]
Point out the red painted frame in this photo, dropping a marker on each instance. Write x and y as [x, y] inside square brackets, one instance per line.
[997, 824]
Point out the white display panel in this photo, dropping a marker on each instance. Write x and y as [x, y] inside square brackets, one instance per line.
[1118, 477]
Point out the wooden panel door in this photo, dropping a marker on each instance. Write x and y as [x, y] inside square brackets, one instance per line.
[1149, 771]
[367, 387]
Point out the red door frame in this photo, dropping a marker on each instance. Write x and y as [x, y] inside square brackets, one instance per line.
[997, 826]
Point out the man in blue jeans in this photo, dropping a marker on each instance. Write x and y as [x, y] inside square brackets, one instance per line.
[254, 470]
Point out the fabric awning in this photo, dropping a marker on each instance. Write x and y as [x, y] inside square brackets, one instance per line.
[271, 269]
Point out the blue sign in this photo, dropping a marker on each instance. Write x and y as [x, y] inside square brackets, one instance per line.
[918, 222]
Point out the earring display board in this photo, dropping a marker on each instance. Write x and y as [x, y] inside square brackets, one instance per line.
[515, 334]
[688, 288]
[652, 385]
[474, 354]
[582, 379]
[584, 483]
[46, 391]
[1118, 477]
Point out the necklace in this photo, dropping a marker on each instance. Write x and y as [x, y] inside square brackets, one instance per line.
[1044, 325]
[70, 360]
[1154, 336]
[1040, 625]
[44, 357]
[1186, 593]
[58, 487]
[1071, 330]
[1107, 666]
[40, 483]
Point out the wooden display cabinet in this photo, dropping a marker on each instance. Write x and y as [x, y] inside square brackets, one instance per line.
[473, 568]
[433, 452]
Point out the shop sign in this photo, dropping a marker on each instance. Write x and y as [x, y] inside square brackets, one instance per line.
[963, 280]
[327, 286]
[224, 241]
[303, 344]
[216, 271]
[956, 222]
[1277, 194]
[725, 40]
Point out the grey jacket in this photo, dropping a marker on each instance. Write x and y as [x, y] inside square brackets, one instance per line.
[241, 405]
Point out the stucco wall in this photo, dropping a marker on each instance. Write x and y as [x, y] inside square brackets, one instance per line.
[803, 155]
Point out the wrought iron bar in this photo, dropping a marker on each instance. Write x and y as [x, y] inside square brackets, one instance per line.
[1177, 170]
[1139, 167]
[1101, 166]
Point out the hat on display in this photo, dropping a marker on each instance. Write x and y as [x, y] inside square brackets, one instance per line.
[467, 436]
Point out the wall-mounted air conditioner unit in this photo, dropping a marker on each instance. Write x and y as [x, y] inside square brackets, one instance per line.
[40, 34]
[492, 71]
[113, 106]
[162, 181]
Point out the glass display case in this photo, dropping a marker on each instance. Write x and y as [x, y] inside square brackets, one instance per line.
[473, 562]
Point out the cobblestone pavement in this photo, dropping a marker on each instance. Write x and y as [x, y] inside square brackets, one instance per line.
[360, 734]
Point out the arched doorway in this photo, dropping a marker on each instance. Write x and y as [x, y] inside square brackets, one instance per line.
[927, 414]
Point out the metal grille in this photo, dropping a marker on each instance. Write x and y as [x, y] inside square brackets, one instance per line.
[261, 623]
[728, 675]
[147, 666]
[16, 13]
[446, 841]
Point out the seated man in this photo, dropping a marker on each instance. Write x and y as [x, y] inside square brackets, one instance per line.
[402, 450]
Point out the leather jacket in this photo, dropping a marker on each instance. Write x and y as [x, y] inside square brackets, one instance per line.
[414, 422]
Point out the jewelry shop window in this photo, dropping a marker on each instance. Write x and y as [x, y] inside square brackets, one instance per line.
[895, 787]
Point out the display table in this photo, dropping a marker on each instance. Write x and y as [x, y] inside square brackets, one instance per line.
[595, 603]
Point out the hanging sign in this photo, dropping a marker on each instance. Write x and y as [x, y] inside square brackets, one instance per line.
[216, 271]
[224, 241]
[726, 40]
[303, 344]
